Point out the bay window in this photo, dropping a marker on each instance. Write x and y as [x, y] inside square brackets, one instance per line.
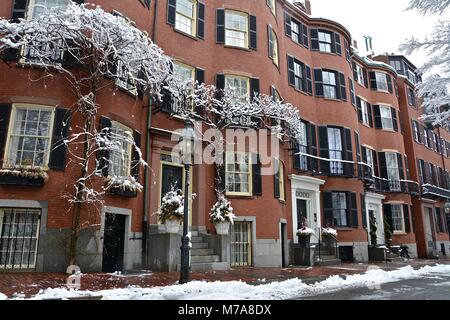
[393, 171]
[369, 160]
[273, 46]
[238, 173]
[386, 117]
[303, 148]
[365, 112]
[325, 41]
[29, 136]
[236, 29]
[359, 74]
[329, 84]
[381, 81]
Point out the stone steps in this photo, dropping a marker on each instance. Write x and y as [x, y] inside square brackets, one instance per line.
[206, 266]
[196, 239]
[209, 258]
[202, 251]
[199, 245]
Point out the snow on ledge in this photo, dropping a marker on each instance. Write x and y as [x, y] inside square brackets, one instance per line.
[292, 288]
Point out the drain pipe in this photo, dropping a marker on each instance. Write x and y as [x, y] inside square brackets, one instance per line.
[148, 159]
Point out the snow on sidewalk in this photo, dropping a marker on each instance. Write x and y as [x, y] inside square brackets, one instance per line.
[238, 290]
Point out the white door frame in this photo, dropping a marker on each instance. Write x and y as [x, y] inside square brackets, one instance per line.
[306, 188]
[375, 201]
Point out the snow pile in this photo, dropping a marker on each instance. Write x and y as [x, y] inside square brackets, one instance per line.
[329, 232]
[222, 211]
[293, 288]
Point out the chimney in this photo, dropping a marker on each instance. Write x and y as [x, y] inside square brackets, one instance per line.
[355, 44]
[304, 5]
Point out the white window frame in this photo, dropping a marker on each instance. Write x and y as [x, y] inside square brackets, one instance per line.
[381, 85]
[369, 157]
[393, 171]
[281, 185]
[336, 167]
[274, 40]
[125, 84]
[365, 112]
[402, 217]
[193, 19]
[342, 210]
[386, 120]
[360, 74]
[126, 163]
[231, 29]
[324, 45]
[191, 69]
[248, 173]
[329, 85]
[14, 109]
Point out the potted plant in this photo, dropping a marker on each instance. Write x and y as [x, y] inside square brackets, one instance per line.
[222, 215]
[304, 234]
[329, 232]
[171, 211]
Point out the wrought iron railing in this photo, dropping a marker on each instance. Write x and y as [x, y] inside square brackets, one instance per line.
[429, 190]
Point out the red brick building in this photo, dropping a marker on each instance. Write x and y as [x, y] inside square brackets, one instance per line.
[357, 162]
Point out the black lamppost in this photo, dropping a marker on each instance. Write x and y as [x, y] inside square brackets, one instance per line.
[186, 143]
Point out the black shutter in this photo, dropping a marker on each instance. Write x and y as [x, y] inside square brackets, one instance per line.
[296, 160]
[352, 91]
[328, 209]
[377, 116]
[58, 152]
[291, 71]
[200, 20]
[19, 9]
[220, 26]
[383, 165]
[363, 210]
[276, 179]
[136, 158]
[324, 150]
[318, 82]
[348, 155]
[359, 107]
[355, 72]
[352, 210]
[309, 86]
[171, 11]
[256, 175]
[253, 34]
[389, 83]
[5, 113]
[220, 178]
[103, 155]
[305, 35]
[314, 33]
[199, 75]
[388, 216]
[407, 218]
[358, 153]
[313, 164]
[304, 80]
[337, 39]
[254, 88]
[394, 119]
[82, 1]
[270, 41]
[343, 87]
[366, 80]
[373, 81]
[400, 166]
[287, 24]
[369, 111]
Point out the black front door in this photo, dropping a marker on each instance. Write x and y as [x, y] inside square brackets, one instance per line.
[172, 177]
[302, 214]
[113, 242]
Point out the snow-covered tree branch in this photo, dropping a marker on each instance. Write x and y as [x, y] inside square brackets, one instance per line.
[434, 89]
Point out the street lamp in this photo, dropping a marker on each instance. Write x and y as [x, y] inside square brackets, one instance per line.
[186, 142]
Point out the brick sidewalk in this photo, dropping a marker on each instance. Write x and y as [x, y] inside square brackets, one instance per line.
[30, 283]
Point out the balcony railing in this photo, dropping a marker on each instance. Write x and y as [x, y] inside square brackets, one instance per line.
[430, 191]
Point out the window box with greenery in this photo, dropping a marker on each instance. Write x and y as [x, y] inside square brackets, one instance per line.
[23, 176]
[222, 215]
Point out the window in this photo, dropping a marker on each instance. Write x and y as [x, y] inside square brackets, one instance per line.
[339, 201]
[386, 118]
[298, 70]
[273, 46]
[39, 7]
[382, 82]
[184, 74]
[416, 131]
[325, 42]
[398, 223]
[272, 4]
[29, 136]
[360, 74]
[411, 97]
[426, 139]
[125, 80]
[411, 76]
[397, 65]
[303, 148]
[236, 29]
[186, 16]
[238, 174]
[335, 150]
[369, 157]
[19, 233]
[120, 155]
[393, 172]
[238, 84]
[365, 112]
[329, 84]
[296, 31]
[280, 175]
[241, 244]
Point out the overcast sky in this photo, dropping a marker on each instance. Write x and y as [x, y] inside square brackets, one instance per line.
[386, 21]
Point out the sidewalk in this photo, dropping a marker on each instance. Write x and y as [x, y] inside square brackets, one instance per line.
[30, 283]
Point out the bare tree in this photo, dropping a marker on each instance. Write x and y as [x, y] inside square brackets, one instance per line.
[91, 50]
